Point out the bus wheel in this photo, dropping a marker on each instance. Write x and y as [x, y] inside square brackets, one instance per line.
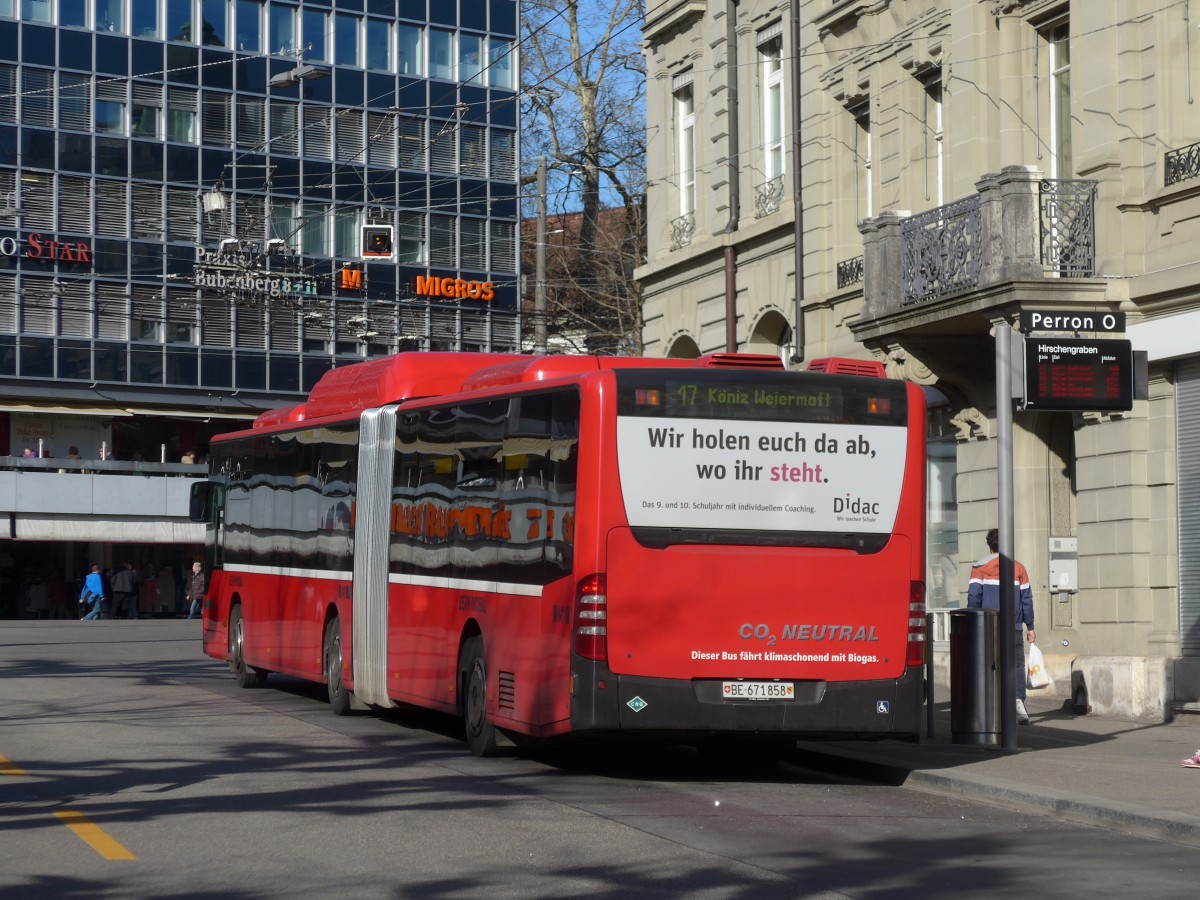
[481, 734]
[339, 697]
[247, 676]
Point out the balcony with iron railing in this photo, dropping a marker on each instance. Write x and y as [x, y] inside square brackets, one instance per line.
[1019, 226]
[1181, 165]
[849, 272]
[768, 197]
[682, 229]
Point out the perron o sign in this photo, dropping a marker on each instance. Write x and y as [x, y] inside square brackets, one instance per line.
[1071, 320]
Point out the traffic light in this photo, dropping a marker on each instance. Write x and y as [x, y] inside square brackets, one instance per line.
[377, 242]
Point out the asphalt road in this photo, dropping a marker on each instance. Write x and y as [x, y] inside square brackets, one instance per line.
[132, 766]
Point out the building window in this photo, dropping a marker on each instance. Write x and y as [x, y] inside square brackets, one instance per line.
[282, 222]
[410, 240]
[863, 198]
[216, 119]
[408, 50]
[251, 126]
[441, 54]
[72, 13]
[443, 249]
[1058, 37]
[110, 15]
[214, 29]
[345, 40]
[74, 102]
[685, 130]
[770, 57]
[472, 152]
[285, 133]
[181, 115]
[146, 120]
[318, 141]
[249, 26]
[500, 63]
[143, 18]
[281, 29]
[179, 21]
[348, 135]
[346, 234]
[504, 154]
[934, 141]
[474, 243]
[470, 58]
[35, 10]
[381, 139]
[315, 28]
[110, 117]
[313, 239]
[504, 247]
[379, 45]
[37, 100]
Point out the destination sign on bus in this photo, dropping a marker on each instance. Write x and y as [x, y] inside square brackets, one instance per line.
[766, 399]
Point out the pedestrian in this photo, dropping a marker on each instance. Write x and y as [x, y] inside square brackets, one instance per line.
[983, 592]
[124, 585]
[195, 590]
[92, 595]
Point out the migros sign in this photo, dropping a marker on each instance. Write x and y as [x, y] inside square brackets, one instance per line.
[454, 288]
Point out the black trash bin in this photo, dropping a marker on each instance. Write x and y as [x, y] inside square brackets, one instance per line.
[975, 676]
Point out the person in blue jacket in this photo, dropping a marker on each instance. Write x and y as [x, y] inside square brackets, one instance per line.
[93, 593]
[983, 592]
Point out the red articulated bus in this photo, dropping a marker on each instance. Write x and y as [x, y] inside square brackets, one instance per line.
[697, 549]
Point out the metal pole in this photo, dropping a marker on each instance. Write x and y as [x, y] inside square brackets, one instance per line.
[930, 702]
[798, 337]
[539, 289]
[1004, 524]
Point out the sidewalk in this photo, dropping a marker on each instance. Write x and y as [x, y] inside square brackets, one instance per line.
[1108, 772]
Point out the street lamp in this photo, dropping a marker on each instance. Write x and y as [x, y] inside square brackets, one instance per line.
[302, 72]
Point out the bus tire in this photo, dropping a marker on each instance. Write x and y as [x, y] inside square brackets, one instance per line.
[481, 734]
[339, 697]
[247, 676]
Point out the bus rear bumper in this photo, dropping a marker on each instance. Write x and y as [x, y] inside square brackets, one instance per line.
[884, 708]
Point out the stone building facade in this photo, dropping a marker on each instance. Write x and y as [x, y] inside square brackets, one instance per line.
[962, 161]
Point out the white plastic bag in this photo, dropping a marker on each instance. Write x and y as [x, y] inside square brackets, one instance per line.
[1035, 667]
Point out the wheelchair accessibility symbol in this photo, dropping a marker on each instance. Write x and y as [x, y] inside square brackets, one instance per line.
[883, 707]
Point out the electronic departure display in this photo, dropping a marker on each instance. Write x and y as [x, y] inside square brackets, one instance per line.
[1076, 375]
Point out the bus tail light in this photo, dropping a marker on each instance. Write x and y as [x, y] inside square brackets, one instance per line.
[591, 618]
[916, 625]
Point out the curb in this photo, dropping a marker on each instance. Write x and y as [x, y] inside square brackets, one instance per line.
[1081, 808]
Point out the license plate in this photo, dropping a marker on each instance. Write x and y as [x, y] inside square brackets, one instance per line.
[758, 690]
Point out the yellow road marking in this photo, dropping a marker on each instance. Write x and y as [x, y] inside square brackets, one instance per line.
[93, 835]
[7, 768]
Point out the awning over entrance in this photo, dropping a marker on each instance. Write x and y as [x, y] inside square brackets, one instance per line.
[124, 530]
[65, 410]
[246, 416]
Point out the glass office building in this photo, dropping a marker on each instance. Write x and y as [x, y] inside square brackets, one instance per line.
[206, 204]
